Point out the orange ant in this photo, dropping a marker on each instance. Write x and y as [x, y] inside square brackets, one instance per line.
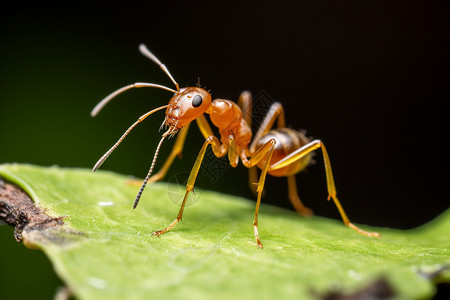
[280, 152]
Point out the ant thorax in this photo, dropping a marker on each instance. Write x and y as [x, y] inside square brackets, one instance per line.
[227, 117]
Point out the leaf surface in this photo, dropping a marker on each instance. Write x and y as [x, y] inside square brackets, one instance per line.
[105, 249]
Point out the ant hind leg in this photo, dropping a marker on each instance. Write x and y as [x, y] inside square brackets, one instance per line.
[295, 199]
[301, 152]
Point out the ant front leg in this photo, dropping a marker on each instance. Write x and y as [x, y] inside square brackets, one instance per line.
[296, 155]
[219, 151]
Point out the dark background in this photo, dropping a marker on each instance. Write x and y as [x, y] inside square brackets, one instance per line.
[369, 79]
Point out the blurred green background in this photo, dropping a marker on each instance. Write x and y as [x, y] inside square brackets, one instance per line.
[368, 79]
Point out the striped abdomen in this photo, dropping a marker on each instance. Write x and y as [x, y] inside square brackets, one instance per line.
[287, 141]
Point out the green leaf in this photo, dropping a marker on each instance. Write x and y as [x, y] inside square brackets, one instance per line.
[105, 249]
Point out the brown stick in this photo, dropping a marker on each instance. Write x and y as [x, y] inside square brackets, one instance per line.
[17, 209]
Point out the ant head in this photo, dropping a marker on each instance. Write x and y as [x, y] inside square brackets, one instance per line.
[185, 106]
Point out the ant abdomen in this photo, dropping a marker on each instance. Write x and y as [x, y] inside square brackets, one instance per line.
[287, 141]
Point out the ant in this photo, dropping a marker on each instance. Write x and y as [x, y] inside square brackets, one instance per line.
[280, 152]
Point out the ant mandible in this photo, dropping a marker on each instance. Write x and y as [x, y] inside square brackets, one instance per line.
[280, 152]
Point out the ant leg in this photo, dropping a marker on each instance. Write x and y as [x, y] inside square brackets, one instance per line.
[295, 199]
[204, 127]
[301, 152]
[245, 104]
[264, 152]
[253, 179]
[179, 144]
[177, 150]
[178, 219]
[276, 112]
[232, 152]
[219, 151]
[207, 132]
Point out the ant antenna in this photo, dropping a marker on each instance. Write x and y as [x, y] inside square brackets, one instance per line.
[144, 50]
[105, 156]
[108, 98]
[198, 82]
[139, 194]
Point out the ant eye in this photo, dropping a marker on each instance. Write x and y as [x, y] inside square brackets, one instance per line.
[197, 101]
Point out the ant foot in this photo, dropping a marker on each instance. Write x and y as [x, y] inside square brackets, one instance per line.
[363, 232]
[158, 233]
[305, 211]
